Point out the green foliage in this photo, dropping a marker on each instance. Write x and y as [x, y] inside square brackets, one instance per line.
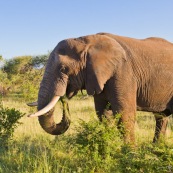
[17, 65]
[39, 61]
[3, 75]
[1, 58]
[23, 75]
[92, 147]
[9, 120]
[96, 142]
[4, 82]
[146, 158]
[23, 64]
[95, 148]
[98, 147]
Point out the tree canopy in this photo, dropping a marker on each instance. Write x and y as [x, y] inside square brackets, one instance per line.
[22, 75]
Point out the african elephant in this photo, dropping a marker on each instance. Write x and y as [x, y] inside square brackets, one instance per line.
[128, 73]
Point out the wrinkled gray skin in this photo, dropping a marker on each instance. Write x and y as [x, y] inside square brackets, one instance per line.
[128, 73]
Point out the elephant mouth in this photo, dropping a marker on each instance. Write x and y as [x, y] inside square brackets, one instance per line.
[71, 94]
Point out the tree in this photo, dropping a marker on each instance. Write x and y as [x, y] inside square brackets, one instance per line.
[1, 61]
[39, 61]
[25, 74]
[17, 65]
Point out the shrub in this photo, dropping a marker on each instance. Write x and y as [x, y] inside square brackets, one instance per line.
[9, 120]
[97, 143]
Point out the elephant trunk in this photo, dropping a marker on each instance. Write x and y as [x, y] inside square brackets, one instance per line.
[48, 124]
[52, 88]
[46, 107]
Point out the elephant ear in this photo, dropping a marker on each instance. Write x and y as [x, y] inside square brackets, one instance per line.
[102, 57]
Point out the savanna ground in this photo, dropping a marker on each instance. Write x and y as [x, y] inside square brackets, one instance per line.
[87, 146]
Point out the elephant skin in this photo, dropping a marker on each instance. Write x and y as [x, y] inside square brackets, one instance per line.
[130, 74]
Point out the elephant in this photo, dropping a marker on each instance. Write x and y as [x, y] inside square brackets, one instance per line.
[130, 74]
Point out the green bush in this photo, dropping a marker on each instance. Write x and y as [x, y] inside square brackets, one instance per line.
[96, 144]
[9, 120]
[99, 147]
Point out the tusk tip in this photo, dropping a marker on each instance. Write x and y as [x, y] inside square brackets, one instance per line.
[30, 116]
[32, 104]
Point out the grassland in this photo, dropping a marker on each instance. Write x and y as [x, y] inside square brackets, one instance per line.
[85, 151]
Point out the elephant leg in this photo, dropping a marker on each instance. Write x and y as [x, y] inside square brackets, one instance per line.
[127, 116]
[161, 125]
[126, 125]
[102, 107]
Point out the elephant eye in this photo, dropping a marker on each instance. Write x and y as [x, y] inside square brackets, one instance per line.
[64, 69]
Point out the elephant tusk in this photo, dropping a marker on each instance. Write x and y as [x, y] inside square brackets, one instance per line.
[46, 108]
[33, 104]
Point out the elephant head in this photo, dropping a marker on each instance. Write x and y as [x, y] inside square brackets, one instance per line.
[80, 63]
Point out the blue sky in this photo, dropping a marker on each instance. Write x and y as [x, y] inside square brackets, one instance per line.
[34, 27]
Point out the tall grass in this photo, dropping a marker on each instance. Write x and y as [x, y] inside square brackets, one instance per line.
[88, 146]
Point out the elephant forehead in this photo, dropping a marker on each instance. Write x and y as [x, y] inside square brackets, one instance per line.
[66, 59]
[68, 63]
[69, 50]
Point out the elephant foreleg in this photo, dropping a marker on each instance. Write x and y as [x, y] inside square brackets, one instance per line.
[125, 112]
[161, 125]
[102, 107]
[126, 125]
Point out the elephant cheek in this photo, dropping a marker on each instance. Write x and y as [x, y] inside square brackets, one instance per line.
[60, 90]
[61, 86]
